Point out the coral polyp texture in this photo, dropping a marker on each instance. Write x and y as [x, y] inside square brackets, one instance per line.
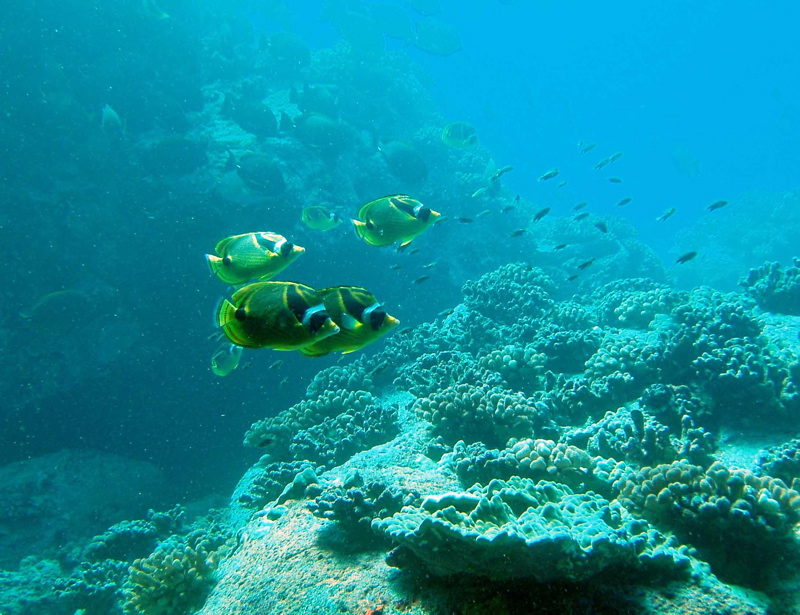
[539, 530]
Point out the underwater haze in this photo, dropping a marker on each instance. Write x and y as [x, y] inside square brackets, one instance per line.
[399, 306]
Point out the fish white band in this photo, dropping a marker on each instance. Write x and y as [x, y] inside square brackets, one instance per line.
[310, 312]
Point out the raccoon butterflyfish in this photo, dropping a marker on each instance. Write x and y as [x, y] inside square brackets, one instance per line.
[390, 219]
[359, 316]
[252, 256]
[226, 358]
[277, 315]
[320, 218]
[459, 135]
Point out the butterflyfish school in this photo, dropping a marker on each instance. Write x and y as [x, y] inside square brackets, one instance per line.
[226, 358]
[252, 256]
[390, 219]
[459, 135]
[359, 316]
[277, 315]
[320, 218]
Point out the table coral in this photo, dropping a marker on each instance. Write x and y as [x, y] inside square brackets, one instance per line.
[521, 528]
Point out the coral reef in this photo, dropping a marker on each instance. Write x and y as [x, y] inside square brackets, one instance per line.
[774, 288]
[177, 576]
[539, 530]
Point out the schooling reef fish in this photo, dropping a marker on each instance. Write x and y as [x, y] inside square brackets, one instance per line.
[390, 219]
[277, 315]
[624, 201]
[717, 205]
[685, 258]
[252, 256]
[549, 175]
[226, 359]
[586, 264]
[541, 214]
[359, 316]
[666, 215]
[320, 218]
[459, 135]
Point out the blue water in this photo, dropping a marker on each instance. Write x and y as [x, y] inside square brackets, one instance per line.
[701, 99]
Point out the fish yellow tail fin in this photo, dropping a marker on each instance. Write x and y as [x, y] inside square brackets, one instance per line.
[214, 263]
[224, 313]
[359, 227]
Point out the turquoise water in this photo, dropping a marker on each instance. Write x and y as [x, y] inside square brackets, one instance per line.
[136, 134]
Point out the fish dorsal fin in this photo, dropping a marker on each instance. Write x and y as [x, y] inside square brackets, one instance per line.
[223, 244]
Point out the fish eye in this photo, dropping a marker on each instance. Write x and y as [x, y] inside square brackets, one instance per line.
[241, 314]
[317, 321]
[286, 248]
[376, 319]
[226, 260]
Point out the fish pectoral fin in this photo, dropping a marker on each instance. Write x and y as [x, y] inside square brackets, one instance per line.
[214, 263]
[349, 323]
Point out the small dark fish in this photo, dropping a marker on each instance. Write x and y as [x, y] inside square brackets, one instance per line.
[614, 157]
[624, 201]
[516, 199]
[465, 220]
[586, 147]
[507, 209]
[666, 215]
[518, 232]
[395, 267]
[562, 184]
[560, 246]
[247, 365]
[501, 172]
[572, 278]
[446, 313]
[266, 441]
[541, 214]
[581, 216]
[485, 212]
[479, 192]
[615, 180]
[403, 247]
[601, 164]
[580, 206]
[421, 279]
[549, 175]
[685, 258]
[586, 264]
[413, 251]
[601, 226]
[430, 265]
[276, 364]
[717, 205]
[440, 220]
[405, 330]
[283, 382]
